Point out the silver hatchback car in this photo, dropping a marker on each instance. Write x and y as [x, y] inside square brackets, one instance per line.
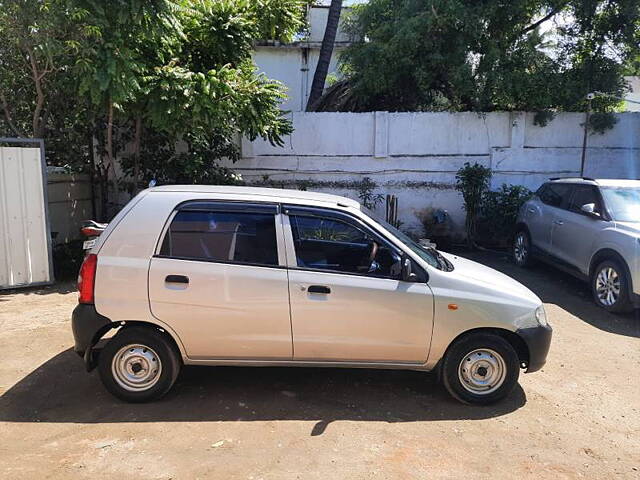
[590, 228]
[201, 275]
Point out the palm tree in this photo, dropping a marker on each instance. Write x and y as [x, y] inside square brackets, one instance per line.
[326, 51]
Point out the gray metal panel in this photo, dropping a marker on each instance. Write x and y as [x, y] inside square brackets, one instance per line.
[25, 240]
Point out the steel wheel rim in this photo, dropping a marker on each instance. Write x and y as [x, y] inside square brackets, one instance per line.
[136, 367]
[482, 371]
[608, 286]
[520, 248]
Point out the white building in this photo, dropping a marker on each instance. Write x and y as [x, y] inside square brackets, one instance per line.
[294, 64]
[632, 98]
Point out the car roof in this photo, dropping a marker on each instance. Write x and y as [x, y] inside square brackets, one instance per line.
[260, 193]
[603, 182]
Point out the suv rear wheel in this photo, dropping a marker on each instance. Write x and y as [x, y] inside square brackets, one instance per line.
[522, 249]
[610, 287]
[480, 368]
[139, 364]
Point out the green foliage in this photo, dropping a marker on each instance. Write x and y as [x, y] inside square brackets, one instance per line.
[499, 212]
[195, 161]
[473, 182]
[600, 122]
[432, 55]
[143, 75]
[366, 193]
[543, 117]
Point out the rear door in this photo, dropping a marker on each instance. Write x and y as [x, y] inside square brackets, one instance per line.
[219, 280]
[553, 198]
[347, 302]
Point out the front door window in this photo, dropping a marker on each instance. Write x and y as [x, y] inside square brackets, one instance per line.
[335, 245]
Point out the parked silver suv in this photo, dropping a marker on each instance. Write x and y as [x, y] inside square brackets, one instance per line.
[590, 228]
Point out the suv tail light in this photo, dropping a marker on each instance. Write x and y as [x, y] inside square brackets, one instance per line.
[87, 278]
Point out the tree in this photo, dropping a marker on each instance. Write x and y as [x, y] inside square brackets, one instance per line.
[36, 42]
[536, 55]
[326, 52]
[181, 73]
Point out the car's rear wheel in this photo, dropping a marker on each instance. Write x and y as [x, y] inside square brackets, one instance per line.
[480, 368]
[610, 287]
[522, 249]
[139, 364]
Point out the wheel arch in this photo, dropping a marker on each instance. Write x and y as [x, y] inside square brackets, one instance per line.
[610, 254]
[518, 344]
[91, 355]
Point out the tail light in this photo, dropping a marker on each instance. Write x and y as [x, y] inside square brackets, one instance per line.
[87, 279]
[91, 231]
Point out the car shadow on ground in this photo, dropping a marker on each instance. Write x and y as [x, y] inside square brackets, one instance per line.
[61, 391]
[564, 290]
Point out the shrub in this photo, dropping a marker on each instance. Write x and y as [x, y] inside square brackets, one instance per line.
[473, 182]
[499, 213]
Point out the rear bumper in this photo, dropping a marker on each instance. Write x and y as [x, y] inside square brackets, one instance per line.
[538, 340]
[88, 326]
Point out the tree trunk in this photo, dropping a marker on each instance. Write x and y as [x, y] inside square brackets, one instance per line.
[37, 121]
[326, 51]
[110, 155]
[136, 155]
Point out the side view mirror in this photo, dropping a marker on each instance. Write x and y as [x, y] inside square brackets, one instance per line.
[406, 274]
[590, 209]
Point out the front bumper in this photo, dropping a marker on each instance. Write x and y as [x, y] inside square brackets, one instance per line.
[538, 340]
[88, 326]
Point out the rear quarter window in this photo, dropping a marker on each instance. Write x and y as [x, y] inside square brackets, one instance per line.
[228, 237]
[555, 194]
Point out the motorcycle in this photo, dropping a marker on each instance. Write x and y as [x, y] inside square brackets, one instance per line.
[91, 230]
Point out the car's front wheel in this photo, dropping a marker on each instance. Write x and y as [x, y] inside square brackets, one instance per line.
[610, 288]
[480, 368]
[139, 364]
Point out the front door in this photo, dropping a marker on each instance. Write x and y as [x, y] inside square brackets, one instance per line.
[347, 303]
[220, 281]
[574, 232]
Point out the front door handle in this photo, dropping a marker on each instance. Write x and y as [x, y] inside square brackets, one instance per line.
[176, 279]
[319, 289]
[558, 222]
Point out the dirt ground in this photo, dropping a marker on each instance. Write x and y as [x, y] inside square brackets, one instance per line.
[577, 418]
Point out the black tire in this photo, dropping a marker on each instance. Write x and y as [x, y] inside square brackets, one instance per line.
[462, 349]
[525, 259]
[159, 351]
[623, 302]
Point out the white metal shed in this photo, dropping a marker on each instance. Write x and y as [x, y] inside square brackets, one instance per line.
[25, 240]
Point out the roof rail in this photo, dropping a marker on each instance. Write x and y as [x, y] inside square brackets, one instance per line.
[573, 178]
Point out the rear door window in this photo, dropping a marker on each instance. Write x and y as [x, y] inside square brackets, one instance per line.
[556, 194]
[218, 236]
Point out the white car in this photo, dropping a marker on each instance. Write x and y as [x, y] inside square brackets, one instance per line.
[201, 275]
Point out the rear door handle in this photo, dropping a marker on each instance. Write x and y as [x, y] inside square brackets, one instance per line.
[558, 222]
[319, 289]
[176, 279]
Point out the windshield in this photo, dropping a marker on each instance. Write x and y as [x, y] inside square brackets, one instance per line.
[623, 203]
[429, 255]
